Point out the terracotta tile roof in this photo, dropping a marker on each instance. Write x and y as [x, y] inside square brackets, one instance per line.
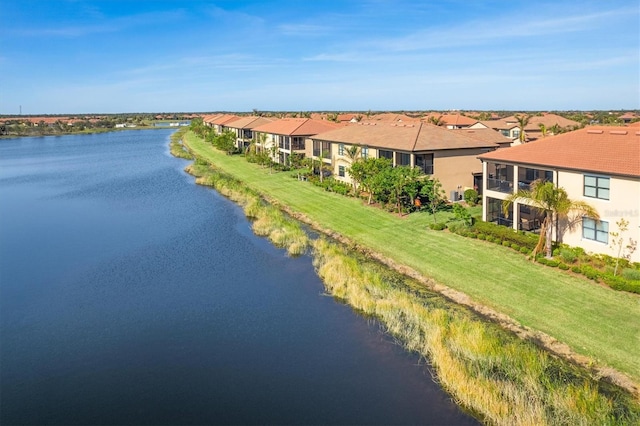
[296, 127]
[223, 119]
[454, 119]
[487, 135]
[209, 118]
[634, 124]
[390, 117]
[248, 122]
[547, 119]
[600, 149]
[404, 137]
[500, 124]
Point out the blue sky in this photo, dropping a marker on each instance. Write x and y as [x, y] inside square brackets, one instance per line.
[88, 56]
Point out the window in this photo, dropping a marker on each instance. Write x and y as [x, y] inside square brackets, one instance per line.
[495, 212]
[596, 187]
[404, 159]
[297, 143]
[516, 133]
[341, 149]
[383, 153]
[341, 171]
[425, 162]
[593, 230]
[322, 148]
[364, 152]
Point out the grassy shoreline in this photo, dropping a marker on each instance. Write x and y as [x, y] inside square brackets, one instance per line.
[585, 394]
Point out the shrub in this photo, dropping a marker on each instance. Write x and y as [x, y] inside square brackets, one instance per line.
[542, 260]
[438, 226]
[524, 250]
[456, 228]
[590, 272]
[515, 246]
[553, 263]
[576, 269]
[621, 283]
[472, 235]
[508, 234]
[563, 266]
[482, 237]
[506, 243]
[631, 274]
[471, 196]
[568, 255]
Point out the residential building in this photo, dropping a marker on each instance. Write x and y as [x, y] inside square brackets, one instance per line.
[218, 122]
[453, 121]
[539, 126]
[243, 129]
[599, 165]
[449, 155]
[287, 136]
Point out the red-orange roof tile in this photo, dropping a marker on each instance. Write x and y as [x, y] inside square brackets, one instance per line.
[600, 149]
[296, 127]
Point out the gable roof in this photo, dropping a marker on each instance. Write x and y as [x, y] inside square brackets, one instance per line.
[223, 119]
[485, 134]
[248, 122]
[600, 149]
[407, 137]
[454, 119]
[296, 127]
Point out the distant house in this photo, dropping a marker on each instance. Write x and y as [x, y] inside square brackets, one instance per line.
[219, 122]
[288, 135]
[453, 121]
[449, 155]
[628, 117]
[599, 165]
[510, 128]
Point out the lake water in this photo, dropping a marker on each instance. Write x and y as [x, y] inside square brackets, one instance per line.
[130, 295]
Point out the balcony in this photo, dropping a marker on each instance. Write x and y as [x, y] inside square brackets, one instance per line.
[500, 185]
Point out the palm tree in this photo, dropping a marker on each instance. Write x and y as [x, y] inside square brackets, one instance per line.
[543, 129]
[555, 203]
[436, 121]
[353, 154]
[523, 120]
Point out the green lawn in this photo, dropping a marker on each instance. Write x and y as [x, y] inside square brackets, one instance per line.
[595, 321]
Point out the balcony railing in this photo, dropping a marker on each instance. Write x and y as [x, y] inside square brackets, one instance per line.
[500, 185]
[297, 146]
[502, 221]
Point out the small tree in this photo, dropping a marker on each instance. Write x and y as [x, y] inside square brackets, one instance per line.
[621, 250]
[435, 195]
[462, 214]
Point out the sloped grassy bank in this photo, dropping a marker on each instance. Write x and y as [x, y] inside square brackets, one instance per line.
[504, 379]
[267, 220]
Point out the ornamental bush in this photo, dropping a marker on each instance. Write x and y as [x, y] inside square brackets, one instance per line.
[506, 234]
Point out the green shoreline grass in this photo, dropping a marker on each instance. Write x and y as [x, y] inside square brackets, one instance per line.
[503, 379]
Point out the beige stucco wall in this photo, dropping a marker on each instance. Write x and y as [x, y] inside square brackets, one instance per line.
[455, 168]
[624, 202]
